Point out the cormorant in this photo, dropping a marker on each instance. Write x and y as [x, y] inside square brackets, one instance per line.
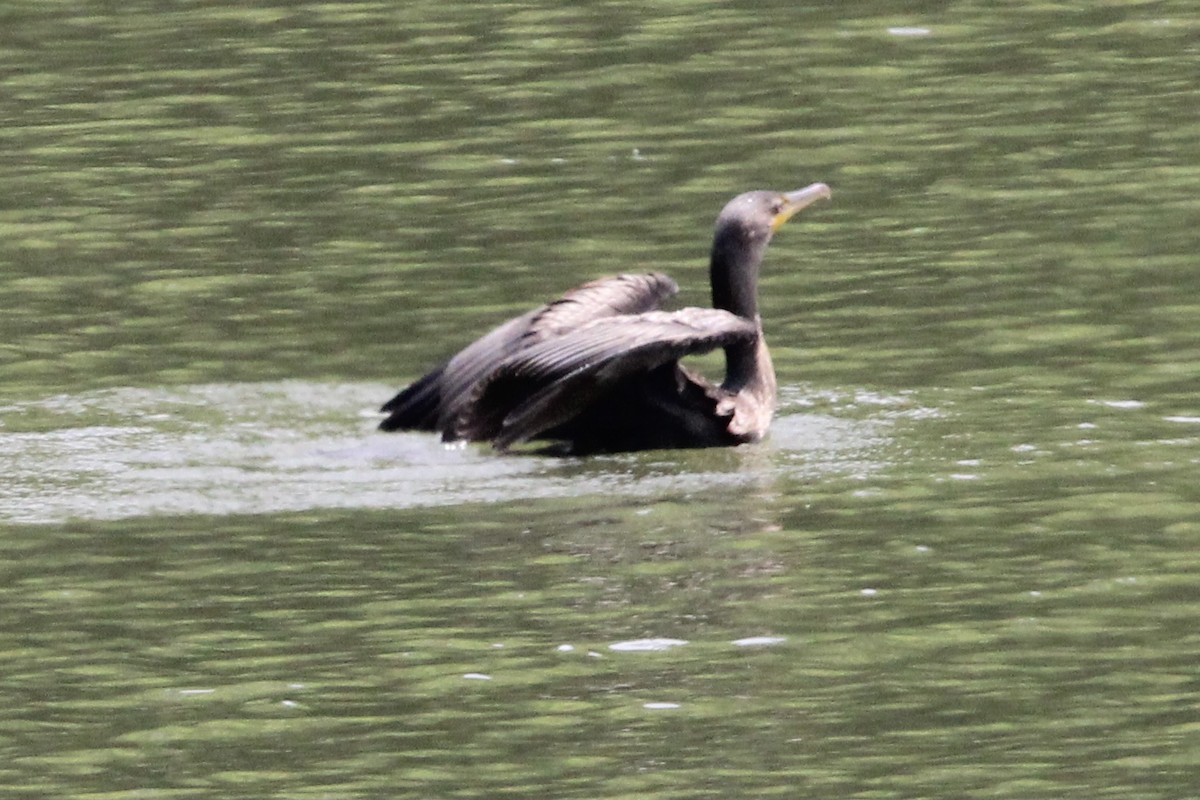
[598, 370]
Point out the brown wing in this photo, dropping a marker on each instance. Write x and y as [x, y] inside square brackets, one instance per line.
[434, 401]
[604, 297]
[549, 383]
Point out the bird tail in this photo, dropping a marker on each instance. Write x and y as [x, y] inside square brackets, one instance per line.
[416, 407]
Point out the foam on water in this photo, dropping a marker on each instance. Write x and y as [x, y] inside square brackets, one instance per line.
[291, 446]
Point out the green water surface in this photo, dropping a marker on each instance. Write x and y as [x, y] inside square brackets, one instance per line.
[963, 566]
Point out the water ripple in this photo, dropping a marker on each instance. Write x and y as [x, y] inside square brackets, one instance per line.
[291, 446]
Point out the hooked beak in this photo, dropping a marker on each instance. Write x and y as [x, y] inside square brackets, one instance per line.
[800, 199]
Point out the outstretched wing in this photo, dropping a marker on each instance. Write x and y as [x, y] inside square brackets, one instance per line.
[549, 383]
[598, 299]
[425, 403]
[438, 398]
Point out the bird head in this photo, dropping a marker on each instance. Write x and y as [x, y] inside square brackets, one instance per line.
[754, 216]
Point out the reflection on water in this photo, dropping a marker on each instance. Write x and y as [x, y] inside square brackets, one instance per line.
[266, 448]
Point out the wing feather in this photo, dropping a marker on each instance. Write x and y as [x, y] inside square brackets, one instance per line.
[605, 297]
[434, 401]
[544, 385]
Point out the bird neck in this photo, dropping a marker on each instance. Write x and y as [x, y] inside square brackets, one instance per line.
[733, 272]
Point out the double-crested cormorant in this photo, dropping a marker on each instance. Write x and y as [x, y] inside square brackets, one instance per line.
[598, 370]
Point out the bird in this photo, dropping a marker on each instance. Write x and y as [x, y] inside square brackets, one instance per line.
[598, 369]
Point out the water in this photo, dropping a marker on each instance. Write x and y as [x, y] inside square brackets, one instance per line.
[962, 566]
[256, 448]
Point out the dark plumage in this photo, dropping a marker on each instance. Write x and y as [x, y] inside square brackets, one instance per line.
[598, 369]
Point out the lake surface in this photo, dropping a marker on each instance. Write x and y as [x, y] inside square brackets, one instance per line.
[964, 565]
